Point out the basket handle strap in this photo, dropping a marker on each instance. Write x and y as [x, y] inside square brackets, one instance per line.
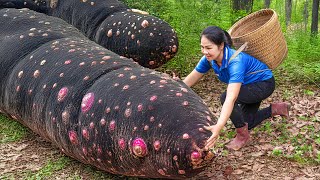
[242, 47]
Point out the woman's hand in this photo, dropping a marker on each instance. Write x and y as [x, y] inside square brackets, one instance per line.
[215, 129]
[233, 90]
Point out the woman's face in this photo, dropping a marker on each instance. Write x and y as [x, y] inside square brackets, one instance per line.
[211, 50]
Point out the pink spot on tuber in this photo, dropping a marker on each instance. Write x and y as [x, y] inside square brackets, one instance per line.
[139, 147]
[73, 137]
[134, 129]
[151, 63]
[65, 117]
[91, 125]
[174, 48]
[185, 103]
[145, 23]
[160, 171]
[201, 130]
[99, 150]
[108, 110]
[109, 33]
[133, 77]
[182, 172]
[195, 156]
[122, 144]
[163, 81]
[62, 93]
[112, 125]
[84, 151]
[150, 107]
[86, 78]
[36, 74]
[87, 102]
[184, 90]
[179, 94]
[106, 58]
[152, 82]
[127, 112]
[20, 74]
[152, 119]
[185, 136]
[67, 61]
[125, 87]
[85, 134]
[146, 127]
[153, 98]
[209, 118]
[157, 145]
[140, 107]
[103, 122]
[175, 158]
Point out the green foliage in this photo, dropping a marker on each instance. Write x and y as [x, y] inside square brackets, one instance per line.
[50, 168]
[190, 17]
[11, 130]
[277, 152]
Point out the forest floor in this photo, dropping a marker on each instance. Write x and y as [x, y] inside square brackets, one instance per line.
[280, 148]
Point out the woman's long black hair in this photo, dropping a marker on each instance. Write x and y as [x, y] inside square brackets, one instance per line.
[217, 35]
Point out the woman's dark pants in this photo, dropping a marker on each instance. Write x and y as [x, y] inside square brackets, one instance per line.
[246, 107]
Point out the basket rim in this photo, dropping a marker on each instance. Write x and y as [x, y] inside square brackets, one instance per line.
[274, 14]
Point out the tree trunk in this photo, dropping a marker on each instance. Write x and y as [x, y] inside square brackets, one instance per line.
[267, 3]
[242, 5]
[314, 22]
[288, 11]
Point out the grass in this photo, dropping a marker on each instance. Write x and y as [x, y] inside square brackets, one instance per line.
[10, 130]
[49, 169]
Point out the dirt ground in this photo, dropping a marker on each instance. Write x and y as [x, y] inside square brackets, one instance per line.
[252, 162]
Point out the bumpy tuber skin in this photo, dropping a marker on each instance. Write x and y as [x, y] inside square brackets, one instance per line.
[96, 106]
[146, 39]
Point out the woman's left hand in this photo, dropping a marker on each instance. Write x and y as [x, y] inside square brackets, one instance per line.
[214, 137]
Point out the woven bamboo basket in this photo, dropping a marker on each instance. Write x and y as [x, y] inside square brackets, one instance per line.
[263, 33]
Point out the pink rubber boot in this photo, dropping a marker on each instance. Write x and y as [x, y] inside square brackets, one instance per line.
[281, 109]
[241, 139]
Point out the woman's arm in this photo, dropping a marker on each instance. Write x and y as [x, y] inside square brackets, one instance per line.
[193, 78]
[233, 90]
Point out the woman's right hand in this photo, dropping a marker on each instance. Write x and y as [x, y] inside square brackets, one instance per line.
[215, 129]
